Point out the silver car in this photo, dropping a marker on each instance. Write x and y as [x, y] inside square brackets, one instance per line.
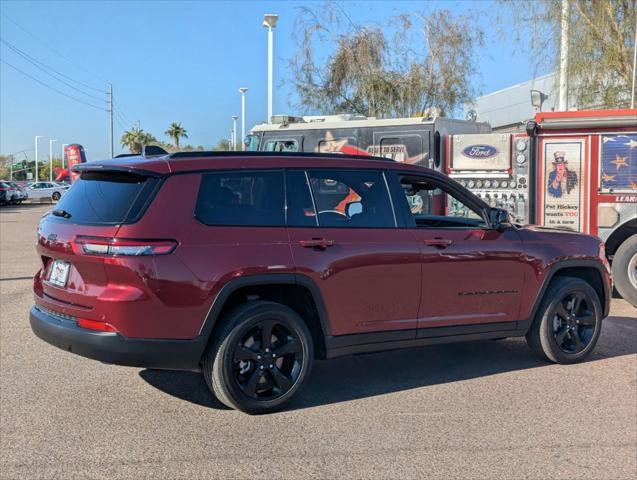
[46, 191]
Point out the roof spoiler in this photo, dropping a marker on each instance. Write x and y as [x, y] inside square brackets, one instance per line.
[147, 151]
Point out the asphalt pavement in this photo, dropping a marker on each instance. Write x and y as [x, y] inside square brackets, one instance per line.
[480, 410]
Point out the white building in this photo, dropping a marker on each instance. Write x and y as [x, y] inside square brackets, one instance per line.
[509, 109]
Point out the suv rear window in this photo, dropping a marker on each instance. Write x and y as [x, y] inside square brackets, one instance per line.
[106, 198]
[242, 199]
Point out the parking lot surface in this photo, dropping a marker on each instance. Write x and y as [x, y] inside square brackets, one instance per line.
[485, 409]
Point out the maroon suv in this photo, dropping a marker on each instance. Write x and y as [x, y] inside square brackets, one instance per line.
[250, 266]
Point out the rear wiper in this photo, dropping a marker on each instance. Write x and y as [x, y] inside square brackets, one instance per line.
[61, 213]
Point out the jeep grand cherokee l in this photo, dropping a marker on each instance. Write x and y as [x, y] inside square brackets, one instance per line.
[249, 266]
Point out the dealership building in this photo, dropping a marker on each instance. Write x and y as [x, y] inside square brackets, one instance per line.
[508, 110]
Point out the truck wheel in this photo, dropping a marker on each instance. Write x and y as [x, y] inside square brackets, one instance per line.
[568, 322]
[625, 270]
[260, 357]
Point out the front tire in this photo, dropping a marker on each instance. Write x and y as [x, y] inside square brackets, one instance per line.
[56, 196]
[260, 357]
[568, 322]
[625, 270]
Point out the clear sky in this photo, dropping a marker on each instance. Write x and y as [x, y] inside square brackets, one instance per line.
[173, 61]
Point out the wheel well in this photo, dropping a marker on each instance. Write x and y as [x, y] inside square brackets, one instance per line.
[297, 297]
[589, 274]
[618, 236]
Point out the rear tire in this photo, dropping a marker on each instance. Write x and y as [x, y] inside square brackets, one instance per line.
[56, 196]
[568, 322]
[625, 270]
[260, 357]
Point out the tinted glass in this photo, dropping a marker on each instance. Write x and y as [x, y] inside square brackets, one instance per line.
[300, 208]
[241, 198]
[281, 146]
[356, 199]
[106, 197]
[432, 206]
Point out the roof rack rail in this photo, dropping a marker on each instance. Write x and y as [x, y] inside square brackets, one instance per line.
[196, 154]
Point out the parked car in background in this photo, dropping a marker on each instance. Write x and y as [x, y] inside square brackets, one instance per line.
[46, 190]
[6, 193]
[19, 193]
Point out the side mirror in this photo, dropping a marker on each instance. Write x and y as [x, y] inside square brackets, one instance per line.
[353, 208]
[499, 218]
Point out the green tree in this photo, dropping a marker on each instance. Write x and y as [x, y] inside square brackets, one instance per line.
[414, 63]
[223, 145]
[176, 131]
[135, 139]
[601, 45]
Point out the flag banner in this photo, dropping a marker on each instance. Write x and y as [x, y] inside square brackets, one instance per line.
[618, 163]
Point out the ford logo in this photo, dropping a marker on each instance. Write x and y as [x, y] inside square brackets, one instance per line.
[480, 151]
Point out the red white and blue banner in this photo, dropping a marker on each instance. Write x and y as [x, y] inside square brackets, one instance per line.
[618, 163]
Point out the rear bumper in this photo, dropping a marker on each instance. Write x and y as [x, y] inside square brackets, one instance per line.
[114, 348]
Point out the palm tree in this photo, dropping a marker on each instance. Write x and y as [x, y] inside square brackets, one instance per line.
[135, 139]
[176, 131]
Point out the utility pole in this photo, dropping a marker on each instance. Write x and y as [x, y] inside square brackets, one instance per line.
[110, 114]
[563, 105]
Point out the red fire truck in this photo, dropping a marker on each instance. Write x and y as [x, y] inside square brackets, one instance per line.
[577, 170]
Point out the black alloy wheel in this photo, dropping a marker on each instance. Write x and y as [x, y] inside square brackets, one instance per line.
[568, 321]
[574, 322]
[267, 360]
[260, 357]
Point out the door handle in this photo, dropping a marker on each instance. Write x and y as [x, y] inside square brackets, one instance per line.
[438, 242]
[320, 243]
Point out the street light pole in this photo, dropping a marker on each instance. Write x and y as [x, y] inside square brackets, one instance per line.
[269, 22]
[243, 91]
[110, 114]
[51, 159]
[64, 145]
[36, 179]
[234, 132]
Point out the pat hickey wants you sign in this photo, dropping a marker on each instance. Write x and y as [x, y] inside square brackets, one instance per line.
[563, 183]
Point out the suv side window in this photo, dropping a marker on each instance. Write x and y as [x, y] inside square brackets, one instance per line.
[299, 206]
[352, 199]
[245, 198]
[432, 204]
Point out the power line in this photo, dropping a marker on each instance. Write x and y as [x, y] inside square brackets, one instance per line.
[45, 68]
[123, 113]
[121, 120]
[50, 47]
[50, 87]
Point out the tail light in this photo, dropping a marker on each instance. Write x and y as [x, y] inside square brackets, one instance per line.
[95, 325]
[113, 247]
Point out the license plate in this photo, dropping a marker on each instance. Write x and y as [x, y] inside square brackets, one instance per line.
[59, 273]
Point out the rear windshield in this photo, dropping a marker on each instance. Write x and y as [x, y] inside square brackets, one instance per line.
[106, 198]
